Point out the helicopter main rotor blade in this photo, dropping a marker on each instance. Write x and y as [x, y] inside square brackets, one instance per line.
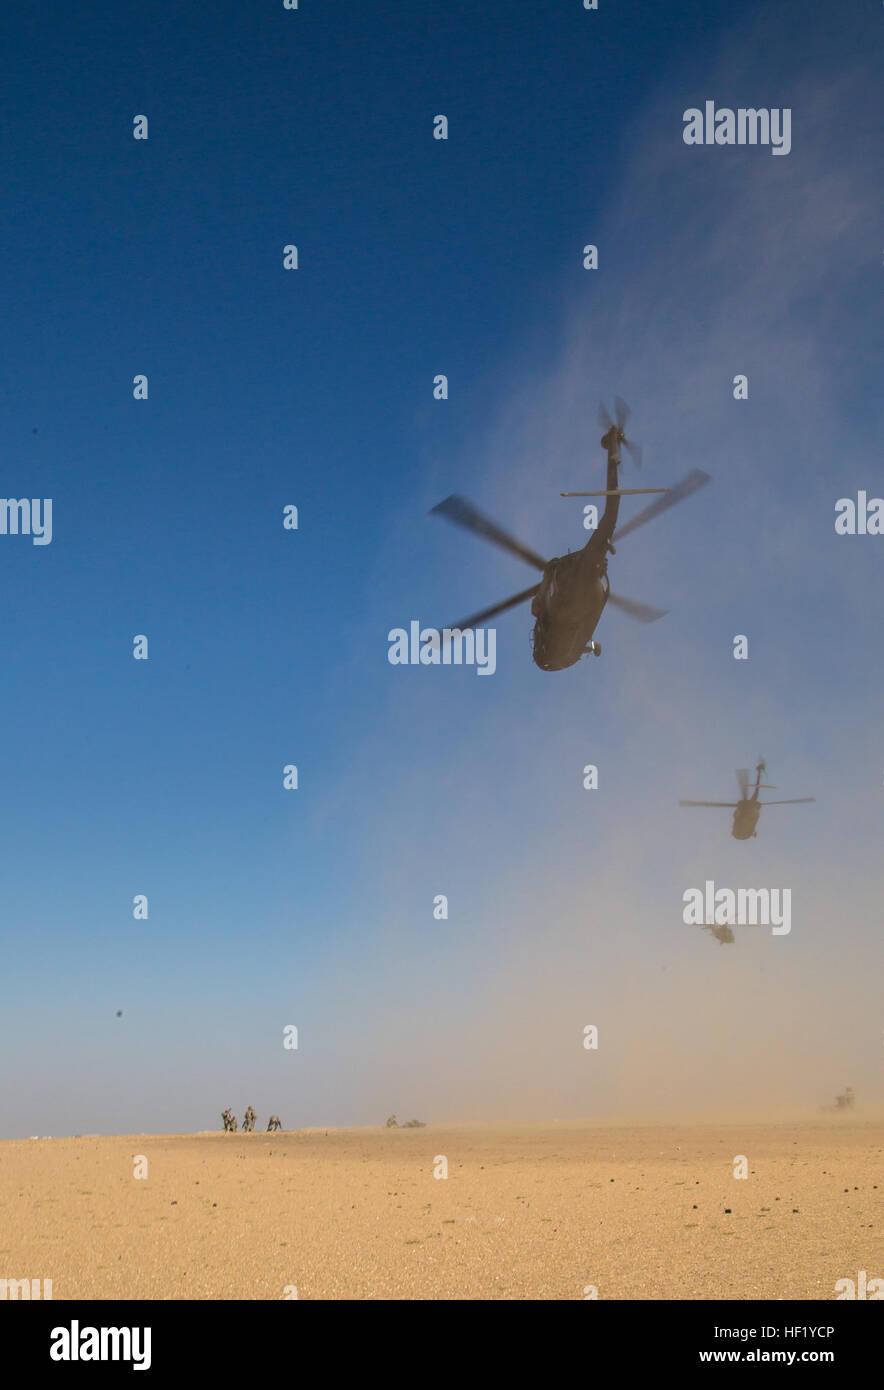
[502, 607]
[690, 483]
[463, 513]
[617, 492]
[642, 612]
[730, 804]
[796, 801]
[743, 779]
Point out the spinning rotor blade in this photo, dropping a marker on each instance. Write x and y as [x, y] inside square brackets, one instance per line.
[487, 613]
[691, 482]
[463, 513]
[743, 779]
[642, 612]
[730, 804]
[634, 451]
[796, 801]
[622, 412]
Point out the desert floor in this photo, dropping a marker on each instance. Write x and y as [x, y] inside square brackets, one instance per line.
[638, 1212]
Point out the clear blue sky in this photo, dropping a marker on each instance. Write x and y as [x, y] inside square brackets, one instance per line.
[267, 647]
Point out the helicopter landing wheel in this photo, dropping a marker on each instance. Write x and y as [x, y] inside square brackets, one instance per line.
[595, 648]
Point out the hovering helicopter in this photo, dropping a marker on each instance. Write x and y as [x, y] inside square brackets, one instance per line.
[748, 808]
[568, 602]
[723, 935]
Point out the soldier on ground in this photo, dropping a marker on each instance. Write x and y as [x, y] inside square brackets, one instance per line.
[274, 1123]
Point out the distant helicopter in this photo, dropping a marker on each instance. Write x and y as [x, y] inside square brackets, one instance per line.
[568, 602]
[723, 935]
[748, 808]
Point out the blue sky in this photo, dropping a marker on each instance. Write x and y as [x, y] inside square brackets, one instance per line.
[267, 647]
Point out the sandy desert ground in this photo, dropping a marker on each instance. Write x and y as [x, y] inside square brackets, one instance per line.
[525, 1213]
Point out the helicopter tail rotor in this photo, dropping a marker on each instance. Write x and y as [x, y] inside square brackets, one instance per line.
[760, 770]
[622, 413]
[634, 451]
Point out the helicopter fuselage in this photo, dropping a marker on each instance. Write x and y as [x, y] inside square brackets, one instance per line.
[574, 588]
[746, 818]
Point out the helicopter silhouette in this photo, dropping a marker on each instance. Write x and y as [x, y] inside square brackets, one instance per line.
[571, 596]
[748, 808]
[723, 935]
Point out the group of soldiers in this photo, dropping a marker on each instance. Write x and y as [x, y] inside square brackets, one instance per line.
[274, 1123]
[248, 1121]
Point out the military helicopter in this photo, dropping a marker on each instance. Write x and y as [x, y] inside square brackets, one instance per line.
[723, 935]
[568, 602]
[748, 808]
